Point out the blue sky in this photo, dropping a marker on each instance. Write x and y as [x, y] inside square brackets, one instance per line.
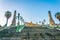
[30, 10]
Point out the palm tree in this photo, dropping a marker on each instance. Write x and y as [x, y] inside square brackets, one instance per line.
[22, 19]
[39, 21]
[57, 15]
[44, 21]
[7, 15]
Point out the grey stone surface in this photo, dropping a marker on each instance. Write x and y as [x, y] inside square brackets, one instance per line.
[30, 33]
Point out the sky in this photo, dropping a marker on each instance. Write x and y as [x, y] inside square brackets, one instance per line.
[30, 10]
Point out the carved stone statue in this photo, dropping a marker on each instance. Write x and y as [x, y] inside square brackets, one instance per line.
[14, 19]
[51, 21]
